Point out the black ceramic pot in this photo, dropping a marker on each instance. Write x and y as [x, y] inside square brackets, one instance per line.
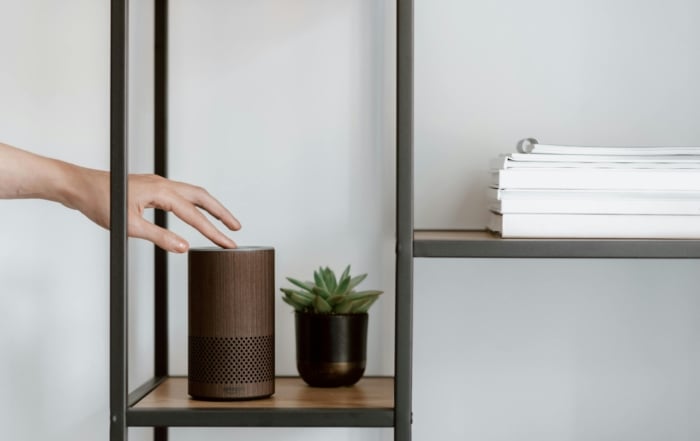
[331, 348]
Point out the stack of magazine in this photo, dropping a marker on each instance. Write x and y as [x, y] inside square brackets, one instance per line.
[550, 191]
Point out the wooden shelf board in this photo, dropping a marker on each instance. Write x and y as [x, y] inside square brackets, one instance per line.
[482, 243]
[290, 392]
[369, 403]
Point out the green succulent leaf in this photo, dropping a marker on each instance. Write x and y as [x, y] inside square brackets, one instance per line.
[293, 304]
[318, 279]
[303, 285]
[328, 294]
[300, 296]
[344, 307]
[297, 299]
[344, 283]
[356, 281]
[321, 306]
[360, 295]
[329, 278]
[321, 292]
[345, 275]
[335, 299]
[362, 306]
[360, 302]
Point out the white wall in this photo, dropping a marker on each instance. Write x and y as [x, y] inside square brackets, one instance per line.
[542, 349]
[599, 72]
[284, 111]
[53, 262]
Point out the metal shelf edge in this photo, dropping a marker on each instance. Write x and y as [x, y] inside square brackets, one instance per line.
[378, 417]
[557, 248]
[146, 388]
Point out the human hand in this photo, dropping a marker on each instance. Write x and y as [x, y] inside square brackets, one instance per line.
[24, 175]
[182, 199]
[152, 191]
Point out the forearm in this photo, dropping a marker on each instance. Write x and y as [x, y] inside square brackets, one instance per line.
[24, 175]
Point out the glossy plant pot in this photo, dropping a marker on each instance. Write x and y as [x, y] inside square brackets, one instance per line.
[331, 348]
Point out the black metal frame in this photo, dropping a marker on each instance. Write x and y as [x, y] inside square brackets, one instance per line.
[118, 366]
[122, 413]
[368, 418]
[160, 135]
[484, 244]
[403, 347]
[160, 165]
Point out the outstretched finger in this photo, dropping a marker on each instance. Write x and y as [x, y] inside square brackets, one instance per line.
[190, 214]
[201, 198]
[166, 239]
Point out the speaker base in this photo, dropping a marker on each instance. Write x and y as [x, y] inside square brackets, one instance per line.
[261, 397]
[230, 392]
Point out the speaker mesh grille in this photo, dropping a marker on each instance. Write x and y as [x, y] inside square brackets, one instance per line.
[235, 360]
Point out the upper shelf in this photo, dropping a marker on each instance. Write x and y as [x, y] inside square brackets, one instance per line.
[369, 403]
[479, 243]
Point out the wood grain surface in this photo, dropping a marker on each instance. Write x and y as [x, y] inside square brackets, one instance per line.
[231, 293]
[290, 393]
[454, 235]
[231, 300]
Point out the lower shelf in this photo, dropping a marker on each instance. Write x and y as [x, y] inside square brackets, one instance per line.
[370, 403]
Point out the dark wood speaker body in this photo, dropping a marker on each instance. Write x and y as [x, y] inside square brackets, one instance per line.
[231, 298]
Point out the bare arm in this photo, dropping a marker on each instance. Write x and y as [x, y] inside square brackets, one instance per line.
[24, 175]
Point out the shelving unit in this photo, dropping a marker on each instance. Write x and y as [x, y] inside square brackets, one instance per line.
[162, 401]
[376, 401]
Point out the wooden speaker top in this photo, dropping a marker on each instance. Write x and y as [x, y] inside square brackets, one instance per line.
[230, 250]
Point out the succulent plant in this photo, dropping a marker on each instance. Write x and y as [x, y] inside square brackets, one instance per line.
[330, 295]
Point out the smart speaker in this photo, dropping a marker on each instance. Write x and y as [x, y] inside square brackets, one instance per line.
[231, 323]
